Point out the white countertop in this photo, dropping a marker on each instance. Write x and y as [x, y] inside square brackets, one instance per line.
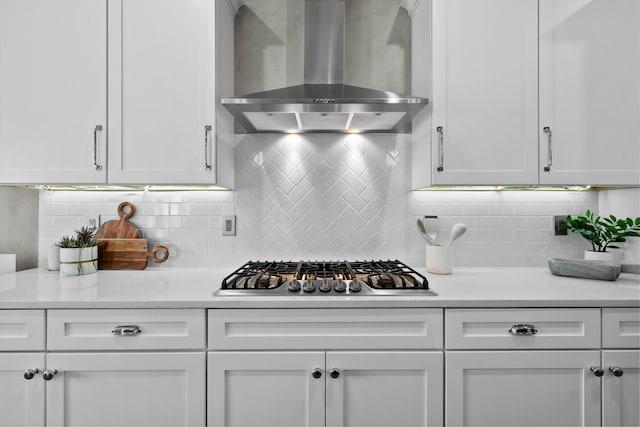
[192, 288]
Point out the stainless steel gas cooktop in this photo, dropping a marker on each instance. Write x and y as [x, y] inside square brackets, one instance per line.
[325, 278]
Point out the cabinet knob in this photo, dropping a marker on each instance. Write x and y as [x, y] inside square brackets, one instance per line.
[334, 373]
[597, 371]
[616, 370]
[316, 373]
[126, 330]
[523, 329]
[30, 373]
[49, 374]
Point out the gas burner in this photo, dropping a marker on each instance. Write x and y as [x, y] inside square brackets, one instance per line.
[328, 278]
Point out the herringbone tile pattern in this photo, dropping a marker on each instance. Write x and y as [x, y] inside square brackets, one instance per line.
[308, 197]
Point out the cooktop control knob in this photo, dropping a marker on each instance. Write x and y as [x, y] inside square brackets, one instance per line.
[325, 286]
[355, 286]
[340, 286]
[294, 286]
[308, 287]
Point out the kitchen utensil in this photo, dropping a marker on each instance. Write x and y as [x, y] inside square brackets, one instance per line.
[456, 231]
[424, 234]
[439, 259]
[120, 229]
[431, 228]
[128, 254]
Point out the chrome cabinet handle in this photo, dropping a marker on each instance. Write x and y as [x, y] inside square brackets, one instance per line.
[207, 137]
[547, 130]
[597, 371]
[97, 129]
[126, 330]
[523, 329]
[334, 373]
[49, 374]
[440, 131]
[316, 373]
[616, 370]
[30, 373]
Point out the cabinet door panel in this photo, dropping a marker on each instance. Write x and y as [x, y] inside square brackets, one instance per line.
[163, 95]
[385, 388]
[590, 91]
[265, 389]
[534, 388]
[21, 400]
[126, 389]
[485, 91]
[53, 89]
[621, 395]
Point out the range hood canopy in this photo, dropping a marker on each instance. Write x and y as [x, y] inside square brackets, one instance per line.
[324, 103]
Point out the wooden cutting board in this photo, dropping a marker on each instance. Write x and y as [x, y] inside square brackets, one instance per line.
[120, 229]
[128, 254]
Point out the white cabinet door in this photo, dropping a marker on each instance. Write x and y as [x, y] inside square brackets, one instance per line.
[621, 394]
[590, 91]
[266, 389]
[485, 92]
[517, 388]
[126, 389]
[384, 388]
[53, 89]
[162, 91]
[21, 399]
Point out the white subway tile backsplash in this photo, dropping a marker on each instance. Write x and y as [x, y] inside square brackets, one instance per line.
[328, 197]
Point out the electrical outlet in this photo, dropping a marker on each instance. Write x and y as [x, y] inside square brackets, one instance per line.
[559, 227]
[229, 225]
[92, 221]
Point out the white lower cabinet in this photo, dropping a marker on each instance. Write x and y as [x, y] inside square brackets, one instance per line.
[334, 367]
[21, 391]
[621, 388]
[128, 389]
[334, 388]
[522, 388]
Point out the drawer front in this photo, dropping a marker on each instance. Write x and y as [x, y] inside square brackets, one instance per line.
[496, 329]
[621, 328]
[272, 329]
[22, 330]
[126, 329]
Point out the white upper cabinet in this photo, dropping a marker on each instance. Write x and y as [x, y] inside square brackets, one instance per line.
[590, 91]
[485, 92]
[53, 91]
[162, 80]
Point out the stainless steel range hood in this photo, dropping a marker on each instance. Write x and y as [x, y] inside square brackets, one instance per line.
[324, 103]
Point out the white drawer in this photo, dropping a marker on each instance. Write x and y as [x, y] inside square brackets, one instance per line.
[621, 328]
[325, 329]
[156, 329]
[21, 330]
[490, 329]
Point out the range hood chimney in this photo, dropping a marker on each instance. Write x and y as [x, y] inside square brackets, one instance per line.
[324, 104]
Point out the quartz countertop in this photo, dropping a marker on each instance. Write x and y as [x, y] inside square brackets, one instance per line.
[193, 288]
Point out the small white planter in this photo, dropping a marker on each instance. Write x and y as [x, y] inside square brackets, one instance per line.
[78, 261]
[602, 256]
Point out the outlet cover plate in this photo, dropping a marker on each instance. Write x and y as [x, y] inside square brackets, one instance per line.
[229, 225]
[558, 227]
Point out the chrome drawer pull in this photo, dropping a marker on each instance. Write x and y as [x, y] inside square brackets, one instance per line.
[440, 131]
[127, 330]
[523, 329]
[547, 130]
[334, 373]
[49, 374]
[316, 373]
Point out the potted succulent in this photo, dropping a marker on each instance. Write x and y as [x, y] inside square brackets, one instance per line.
[602, 233]
[79, 253]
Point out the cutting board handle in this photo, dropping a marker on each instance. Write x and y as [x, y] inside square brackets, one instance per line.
[122, 215]
[154, 252]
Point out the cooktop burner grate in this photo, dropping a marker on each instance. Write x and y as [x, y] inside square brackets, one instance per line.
[390, 277]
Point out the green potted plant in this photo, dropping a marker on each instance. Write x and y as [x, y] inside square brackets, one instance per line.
[79, 253]
[603, 233]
